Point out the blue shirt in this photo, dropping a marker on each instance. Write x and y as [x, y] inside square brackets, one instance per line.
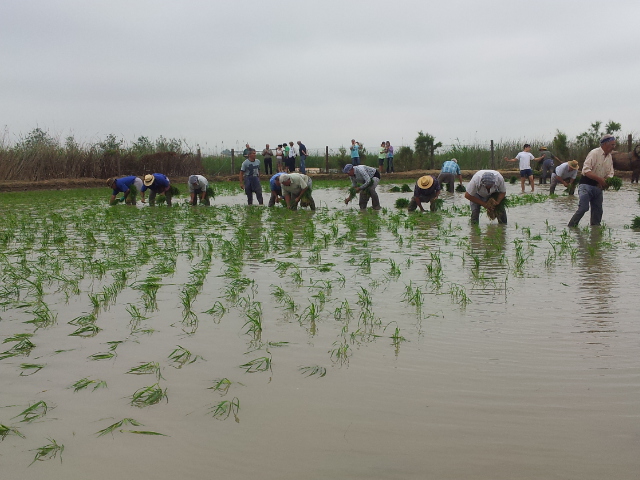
[160, 183]
[302, 149]
[123, 184]
[354, 151]
[272, 183]
[450, 167]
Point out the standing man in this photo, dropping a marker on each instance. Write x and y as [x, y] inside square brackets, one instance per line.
[364, 179]
[291, 160]
[158, 183]
[525, 158]
[565, 174]
[130, 186]
[480, 187]
[548, 164]
[447, 175]
[250, 177]
[389, 157]
[276, 189]
[382, 154]
[245, 152]
[598, 166]
[303, 156]
[426, 190]
[267, 154]
[198, 186]
[355, 153]
[296, 187]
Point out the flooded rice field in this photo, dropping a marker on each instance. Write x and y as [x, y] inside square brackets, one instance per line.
[241, 342]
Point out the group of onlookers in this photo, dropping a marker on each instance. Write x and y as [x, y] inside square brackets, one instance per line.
[286, 155]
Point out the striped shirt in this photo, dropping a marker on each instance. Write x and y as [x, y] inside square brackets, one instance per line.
[450, 167]
[363, 175]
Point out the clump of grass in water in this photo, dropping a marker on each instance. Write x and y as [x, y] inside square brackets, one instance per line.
[48, 452]
[147, 396]
[181, 357]
[635, 224]
[395, 189]
[614, 182]
[149, 368]
[402, 203]
[224, 409]
[5, 431]
[33, 412]
[405, 188]
[313, 370]
[22, 347]
[85, 382]
[260, 364]
[222, 386]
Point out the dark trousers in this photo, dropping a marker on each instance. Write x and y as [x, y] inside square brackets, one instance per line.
[268, 166]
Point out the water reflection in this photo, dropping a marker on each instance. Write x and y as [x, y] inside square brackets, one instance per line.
[597, 277]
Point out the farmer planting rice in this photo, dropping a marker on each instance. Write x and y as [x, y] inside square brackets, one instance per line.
[130, 186]
[276, 189]
[598, 166]
[548, 164]
[565, 174]
[427, 189]
[296, 188]
[482, 185]
[250, 177]
[448, 174]
[199, 187]
[364, 180]
[158, 183]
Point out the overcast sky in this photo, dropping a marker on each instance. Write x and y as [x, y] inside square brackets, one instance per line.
[222, 73]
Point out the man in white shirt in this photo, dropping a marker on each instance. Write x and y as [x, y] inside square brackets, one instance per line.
[525, 157]
[598, 166]
[480, 187]
[566, 174]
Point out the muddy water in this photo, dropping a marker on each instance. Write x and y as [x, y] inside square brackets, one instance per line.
[503, 352]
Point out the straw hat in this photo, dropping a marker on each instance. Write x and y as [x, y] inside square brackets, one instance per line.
[148, 180]
[110, 181]
[425, 182]
[543, 148]
[573, 164]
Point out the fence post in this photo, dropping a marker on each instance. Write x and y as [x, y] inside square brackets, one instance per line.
[493, 157]
[629, 143]
[326, 158]
[233, 152]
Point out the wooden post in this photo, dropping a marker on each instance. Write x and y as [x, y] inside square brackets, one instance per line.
[629, 143]
[326, 159]
[493, 157]
[233, 152]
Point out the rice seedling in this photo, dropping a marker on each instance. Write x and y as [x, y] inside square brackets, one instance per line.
[499, 208]
[313, 370]
[254, 318]
[340, 352]
[44, 317]
[31, 368]
[217, 311]
[260, 364]
[364, 298]
[513, 180]
[635, 223]
[102, 356]
[111, 428]
[395, 189]
[461, 188]
[6, 431]
[344, 311]
[310, 314]
[413, 296]
[222, 410]
[148, 368]
[458, 294]
[402, 203]
[48, 452]
[33, 412]
[222, 386]
[405, 188]
[85, 382]
[614, 182]
[23, 347]
[147, 396]
[86, 331]
[181, 357]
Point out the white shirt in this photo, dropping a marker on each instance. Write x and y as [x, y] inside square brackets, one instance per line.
[474, 187]
[525, 160]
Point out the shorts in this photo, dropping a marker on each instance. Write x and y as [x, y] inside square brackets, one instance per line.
[526, 173]
[380, 162]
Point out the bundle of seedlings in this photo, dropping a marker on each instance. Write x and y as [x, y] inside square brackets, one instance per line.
[305, 199]
[133, 195]
[513, 180]
[498, 208]
[353, 193]
[635, 223]
[406, 188]
[395, 189]
[572, 187]
[174, 193]
[438, 204]
[614, 182]
[449, 189]
[402, 203]
[461, 188]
